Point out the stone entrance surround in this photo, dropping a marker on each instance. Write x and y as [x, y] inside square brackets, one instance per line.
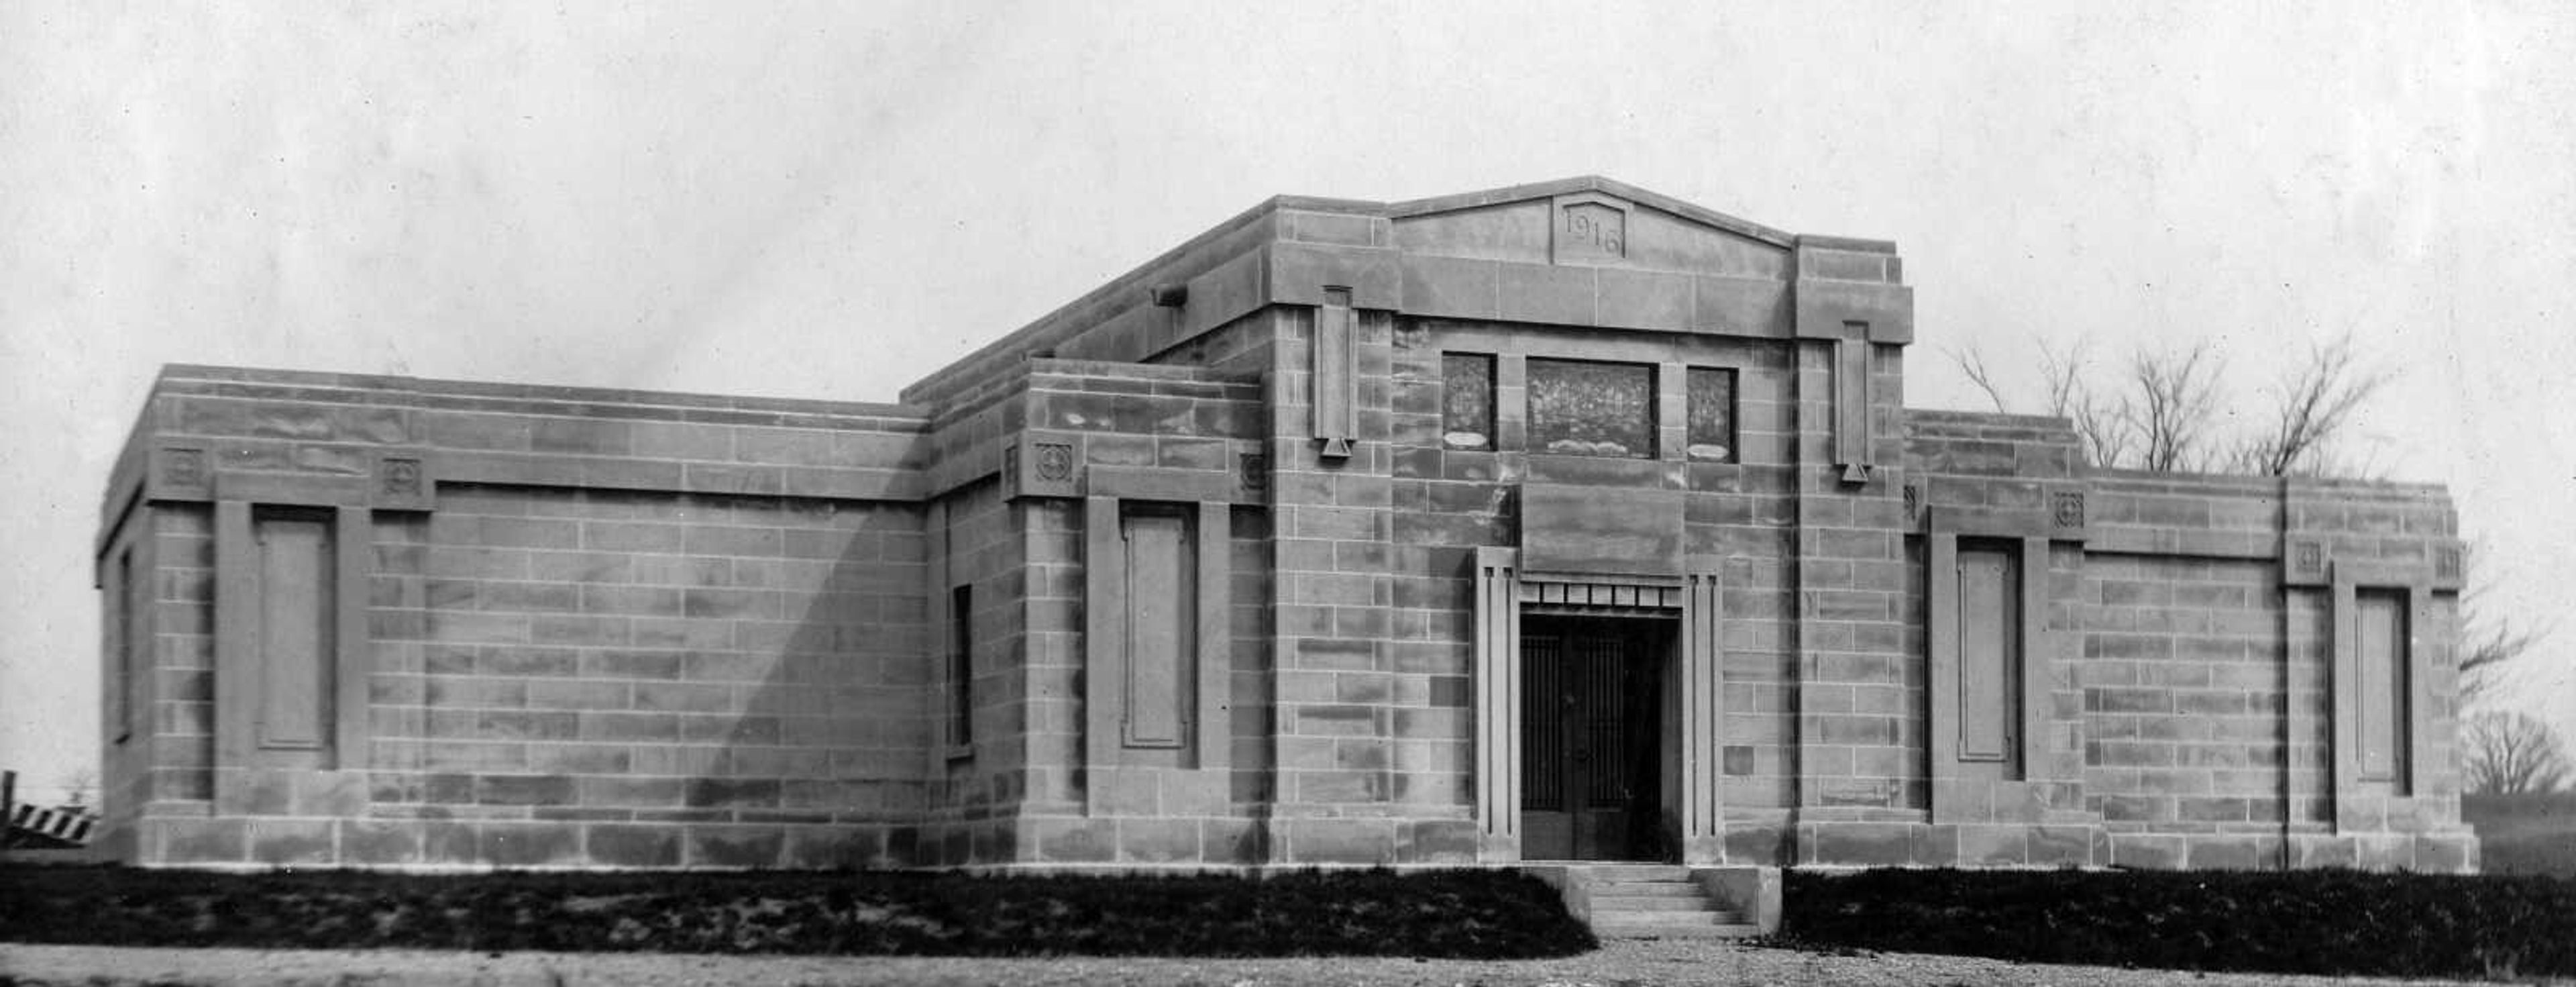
[1226, 564]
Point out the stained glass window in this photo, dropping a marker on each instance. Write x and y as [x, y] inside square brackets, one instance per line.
[1467, 400]
[1579, 408]
[1712, 415]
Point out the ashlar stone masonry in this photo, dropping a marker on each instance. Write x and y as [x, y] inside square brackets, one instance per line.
[1558, 522]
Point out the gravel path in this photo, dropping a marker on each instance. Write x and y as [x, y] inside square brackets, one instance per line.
[1621, 962]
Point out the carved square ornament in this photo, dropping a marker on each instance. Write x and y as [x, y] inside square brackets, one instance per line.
[402, 477]
[1253, 472]
[1044, 464]
[184, 468]
[402, 484]
[2450, 566]
[2068, 508]
[1053, 461]
[2303, 560]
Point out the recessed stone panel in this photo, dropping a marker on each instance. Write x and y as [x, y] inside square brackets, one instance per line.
[1598, 530]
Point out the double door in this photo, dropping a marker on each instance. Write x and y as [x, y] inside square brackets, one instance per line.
[1590, 740]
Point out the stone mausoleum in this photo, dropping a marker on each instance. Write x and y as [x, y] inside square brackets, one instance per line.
[1558, 522]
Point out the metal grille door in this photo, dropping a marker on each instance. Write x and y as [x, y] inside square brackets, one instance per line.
[1588, 735]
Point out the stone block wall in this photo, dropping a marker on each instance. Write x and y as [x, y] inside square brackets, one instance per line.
[2196, 662]
[1860, 787]
[2000, 481]
[1094, 440]
[2220, 600]
[573, 628]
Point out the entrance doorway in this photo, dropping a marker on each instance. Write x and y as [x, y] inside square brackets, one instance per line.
[1591, 737]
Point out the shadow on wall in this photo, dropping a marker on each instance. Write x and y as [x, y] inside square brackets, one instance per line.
[820, 758]
[670, 681]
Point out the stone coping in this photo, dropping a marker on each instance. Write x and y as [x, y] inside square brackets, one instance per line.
[388, 389]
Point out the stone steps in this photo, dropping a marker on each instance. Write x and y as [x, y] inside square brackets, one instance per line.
[1648, 901]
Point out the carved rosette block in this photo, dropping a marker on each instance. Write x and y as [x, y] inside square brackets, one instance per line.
[1252, 474]
[181, 473]
[2303, 560]
[2450, 565]
[2066, 507]
[1042, 464]
[402, 483]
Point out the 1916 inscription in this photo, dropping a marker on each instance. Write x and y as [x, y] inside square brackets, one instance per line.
[1593, 228]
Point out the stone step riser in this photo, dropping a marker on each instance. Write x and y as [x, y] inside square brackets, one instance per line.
[1658, 920]
[1629, 890]
[1739, 931]
[1606, 906]
[1639, 872]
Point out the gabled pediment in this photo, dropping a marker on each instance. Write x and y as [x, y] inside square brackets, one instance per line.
[1590, 222]
[1583, 252]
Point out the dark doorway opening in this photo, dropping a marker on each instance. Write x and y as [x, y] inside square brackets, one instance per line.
[1591, 738]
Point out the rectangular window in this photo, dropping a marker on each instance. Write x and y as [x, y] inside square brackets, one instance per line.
[1581, 408]
[1162, 626]
[961, 666]
[1989, 622]
[2380, 725]
[1712, 415]
[296, 634]
[1467, 400]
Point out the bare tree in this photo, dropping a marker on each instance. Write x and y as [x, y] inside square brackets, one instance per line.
[1972, 363]
[2487, 642]
[2509, 752]
[2174, 398]
[2106, 436]
[2164, 418]
[2311, 409]
[2162, 413]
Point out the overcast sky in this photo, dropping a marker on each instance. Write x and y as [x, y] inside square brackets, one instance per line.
[829, 201]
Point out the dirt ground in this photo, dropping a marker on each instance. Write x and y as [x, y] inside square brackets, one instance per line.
[1619, 963]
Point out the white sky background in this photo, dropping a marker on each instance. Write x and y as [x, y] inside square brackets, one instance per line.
[829, 201]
